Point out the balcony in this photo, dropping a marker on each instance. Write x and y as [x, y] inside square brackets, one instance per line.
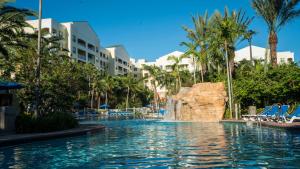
[91, 47]
[91, 58]
[81, 42]
[81, 55]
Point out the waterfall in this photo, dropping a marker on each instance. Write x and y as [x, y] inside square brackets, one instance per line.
[170, 107]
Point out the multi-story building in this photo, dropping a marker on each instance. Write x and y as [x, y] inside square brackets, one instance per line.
[166, 64]
[79, 39]
[259, 53]
[119, 60]
[136, 68]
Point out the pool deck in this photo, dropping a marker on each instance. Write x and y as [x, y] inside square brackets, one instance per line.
[10, 139]
[295, 125]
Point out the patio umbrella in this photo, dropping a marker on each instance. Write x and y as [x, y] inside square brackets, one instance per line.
[4, 85]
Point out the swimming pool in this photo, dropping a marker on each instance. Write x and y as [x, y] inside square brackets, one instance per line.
[152, 144]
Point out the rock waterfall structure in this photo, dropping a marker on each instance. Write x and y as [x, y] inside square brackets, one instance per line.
[204, 102]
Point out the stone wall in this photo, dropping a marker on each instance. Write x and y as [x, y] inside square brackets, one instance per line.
[204, 102]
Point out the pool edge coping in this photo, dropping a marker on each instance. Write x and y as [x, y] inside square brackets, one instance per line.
[15, 139]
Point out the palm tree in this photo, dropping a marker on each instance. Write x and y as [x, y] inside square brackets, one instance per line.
[176, 68]
[200, 36]
[12, 23]
[248, 36]
[227, 29]
[276, 13]
[192, 52]
[131, 85]
[155, 79]
[108, 83]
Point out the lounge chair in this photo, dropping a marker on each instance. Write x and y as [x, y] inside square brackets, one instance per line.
[269, 115]
[253, 117]
[293, 116]
[283, 112]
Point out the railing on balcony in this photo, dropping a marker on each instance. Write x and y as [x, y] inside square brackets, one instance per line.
[91, 47]
[82, 57]
[81, 42]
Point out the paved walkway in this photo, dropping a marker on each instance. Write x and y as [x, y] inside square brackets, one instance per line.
[8, 139]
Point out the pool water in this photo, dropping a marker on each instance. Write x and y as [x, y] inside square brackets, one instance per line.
[153, 144]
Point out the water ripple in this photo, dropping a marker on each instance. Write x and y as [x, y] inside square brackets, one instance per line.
[150, 144]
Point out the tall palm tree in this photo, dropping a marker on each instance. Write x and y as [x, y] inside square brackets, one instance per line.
[176, 68]
[108, 83]
[200, 36]
[131, 85]
[227, 30]
[155, 79]
[276, 13]
[248, 36]
[192, 52]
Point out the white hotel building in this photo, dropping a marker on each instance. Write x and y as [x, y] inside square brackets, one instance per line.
[83, 45]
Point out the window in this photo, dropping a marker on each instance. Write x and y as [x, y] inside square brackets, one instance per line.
[282, 60]
[146, 75]
[135, 69]
[290, 60]
[73, 38]
[74, 50]
[97, 49]
[135, 75]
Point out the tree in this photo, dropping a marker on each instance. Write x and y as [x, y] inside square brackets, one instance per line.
[12, 23]
[248, 36]
[176, 68]
[199, 37]
[156, 78]
[192, 52]
[276, 13]
[227, 30]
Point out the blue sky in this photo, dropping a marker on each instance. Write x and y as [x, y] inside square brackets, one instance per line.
[152, 28]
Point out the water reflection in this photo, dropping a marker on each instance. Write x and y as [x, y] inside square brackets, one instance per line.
[144, 144]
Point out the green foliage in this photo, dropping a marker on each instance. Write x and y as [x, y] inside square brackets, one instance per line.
[26, 123]
[280, 84]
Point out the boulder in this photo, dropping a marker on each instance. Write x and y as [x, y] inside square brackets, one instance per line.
[204, 102]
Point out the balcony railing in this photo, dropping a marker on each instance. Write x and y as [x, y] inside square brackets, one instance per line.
[82, 57]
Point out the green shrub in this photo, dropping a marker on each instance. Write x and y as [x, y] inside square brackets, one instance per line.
[25, 123]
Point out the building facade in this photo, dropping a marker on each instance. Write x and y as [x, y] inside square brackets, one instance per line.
[83, 45]
[79, 39]
[119, 61]
[259, 53]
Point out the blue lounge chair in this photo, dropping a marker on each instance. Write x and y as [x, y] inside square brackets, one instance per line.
[283, 111]
[253, 117]
[269, 114]
[293, 116]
